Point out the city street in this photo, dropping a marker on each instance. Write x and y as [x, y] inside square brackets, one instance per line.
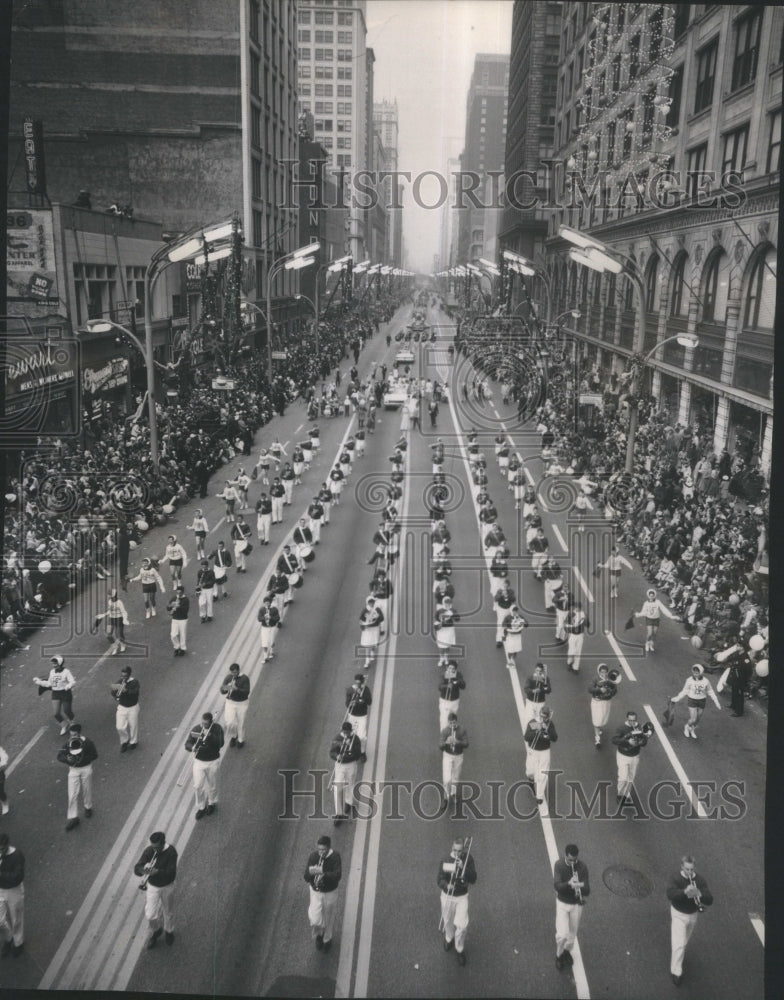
[241, 902]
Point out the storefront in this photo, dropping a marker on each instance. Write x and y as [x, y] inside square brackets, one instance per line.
[746, 428]
[41, 389]
[669, 396]
[107, 388]
[703, 408]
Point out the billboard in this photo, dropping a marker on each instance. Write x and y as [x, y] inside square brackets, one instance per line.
[31, 271]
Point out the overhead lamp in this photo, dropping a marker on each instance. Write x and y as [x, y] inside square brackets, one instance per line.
[98, 326]
[192, 246]
[580, 257]
[689, 340]
[298, 263]
[304, 251]
[218, 254]
[579, 239]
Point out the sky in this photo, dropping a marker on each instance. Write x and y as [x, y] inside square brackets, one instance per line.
[425, 53]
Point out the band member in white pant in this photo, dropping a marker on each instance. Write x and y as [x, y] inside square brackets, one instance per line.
[269, 619]
[79, 754]
[536, 689]
[453, 742]
[157, 867]
[204, 744]
[358, 701]
[346, 751]
[576, 625]
[455, 873]
[322, 873]
[628, 740]
[688, 894]
[503, 601]
[263, 518]
[603, 689]
[12, 868]
[236, 687]
[570, 881]
[449, 689]
[126, 692]
[178, 607]
[539, 735]
[205, 591]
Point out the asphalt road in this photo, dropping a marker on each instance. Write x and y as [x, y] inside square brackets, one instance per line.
[241, 902]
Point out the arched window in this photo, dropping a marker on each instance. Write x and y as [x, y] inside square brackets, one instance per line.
[715, 284]
[652, 285]
[679, 292]
[760, 301]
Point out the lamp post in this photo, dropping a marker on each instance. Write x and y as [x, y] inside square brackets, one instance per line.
[314, 307]
[303, 257]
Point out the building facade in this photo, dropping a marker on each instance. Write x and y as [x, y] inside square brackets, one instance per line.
[385, 119]
[672, 115]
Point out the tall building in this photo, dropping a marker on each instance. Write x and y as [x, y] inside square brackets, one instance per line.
[533, 81]
[673, 115]
[185, 112]
[448, 223]
[485, 139]
[385, 118]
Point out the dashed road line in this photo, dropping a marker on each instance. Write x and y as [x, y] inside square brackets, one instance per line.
[676, 764]
[24, 752]
[621, 658]
[560, 537]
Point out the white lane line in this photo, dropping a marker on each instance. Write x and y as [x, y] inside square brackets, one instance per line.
[298, 429]
[621, 658]
[497, 413]
[217, 525]
[24, 752]
[676, 764]
[560, 537]
[583, 584]
[759, 926]
[530, 477]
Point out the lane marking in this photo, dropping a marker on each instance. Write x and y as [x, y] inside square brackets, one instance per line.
[298, 429]
[676, 764]
[621, 658]
[759, 926]
[217, 525]
[583, 584]
[560, 537]
[24, 752]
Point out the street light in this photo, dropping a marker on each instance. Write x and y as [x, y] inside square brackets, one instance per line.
[302, 257]
[314, 307]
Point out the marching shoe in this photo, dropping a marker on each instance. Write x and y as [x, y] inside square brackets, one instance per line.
[449, 945]
[123, 747]
[71, 824]
[210, 808]
[567, 957]
[200, 813]
[240, 743]
[319, 942]
[88, 812]
[676, 979]
[17, 950]
[154, 938]
[154, 612]
[233, 741]
[169, 937]
[64, 727]
[327, 945]
[132, 746]
[686, 731]
[6, 949]
[559, 962]
[461, 958]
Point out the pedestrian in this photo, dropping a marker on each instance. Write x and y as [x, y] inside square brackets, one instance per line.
[277, 495]
[455, 873]
[12, 865]
[628, 740]
[540, 734]
[151, 581]
[269, 619]
[204, 743]
[370, 621]
[651, 611]
[176, 557]
[236, 687]
[513, 625]
[453, 741]
[570, 880]
[4, 807]
[61, 682]
[126, 694]
[323, 873]
[78, 753]
[346, 751]
[178, 607]
[613, 564]
[536, 689]
[157, 867]
[200, 529]
[359, 698]
[688, 894]
[576, 625]
[116, 619]
[449, 688]
[444, 630]
[696, 690]
[240, 533]
[603, 689]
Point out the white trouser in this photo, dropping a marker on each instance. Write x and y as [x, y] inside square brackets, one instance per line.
[627, 771]
[343, 786]
[179, 633]
[79, 778]
[536, 561]
[550, 587]
[360, 448]
[206, 597]
[359, 723]
[454, 910]
[268, 637]
[234, 717]
[288, 486]
[263, 522]
[574, 648]
[681, 927]
[315, 529]
[277, 509]
[220, 581]
[239, 553]
[159, 907]
[451, 766]
[567, 923]
[12, 913]
[205, 782]
[537, 765]
[444, 708]
[600, 713]
[531, 710]
[321, 912]
[326, 505]
[127, 723]
[560, 623]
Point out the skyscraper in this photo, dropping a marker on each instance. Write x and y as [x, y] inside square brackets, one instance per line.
[385, 117]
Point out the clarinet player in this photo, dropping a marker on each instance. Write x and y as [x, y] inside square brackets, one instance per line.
[570, 881]
[455, 873]
[157, 868]
[453, 742]
[688, 894]
[126, 693]
[539, 735]
[323, 873]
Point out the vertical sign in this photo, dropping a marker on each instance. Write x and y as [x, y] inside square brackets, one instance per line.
[33, 131]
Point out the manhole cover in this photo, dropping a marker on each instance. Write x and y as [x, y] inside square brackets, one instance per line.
[625, 881]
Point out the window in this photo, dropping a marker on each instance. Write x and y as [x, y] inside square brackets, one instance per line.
[323, 17]
[256, 178]
[580, 62]
[344, 38]
[325, 37]
[258, 238]
[616, 73]
[344, 160]
[634, 57]
[621, 18]
[682, 18]
[706, 72]
[652, 285]
[304, 55]
[675, 94]
[323, 72]
[324, 55]
[324, 90]
[344, 107]
[611, 142]
[760, 306]
[679, 300]
[344, 90]
[134, 288]
[747, 43]
[344, 142]
[326, 141]
[255, 127]
[628, 295]
[715, 290]
[323, 124]
[570, 79]
[303, 17]
[304, 89]
[696, 159]
[303, 72]
[655, 34]
[324, 107]
[648, 111]
[253, 20]
[344, 55]
[303, 36]
[773, 161]
[344, 72]
[254, 73]
[345, 18]
[735, 146]
[95, 288]
[628, 133]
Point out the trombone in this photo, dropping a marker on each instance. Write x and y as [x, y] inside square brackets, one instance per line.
[346, 739]
[458, 873]
[148, 871]
[198, 744]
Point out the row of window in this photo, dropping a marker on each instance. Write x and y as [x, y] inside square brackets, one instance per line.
[324, 17]
[325, 73]
[326, 55]
[324, 37]
[326, 90]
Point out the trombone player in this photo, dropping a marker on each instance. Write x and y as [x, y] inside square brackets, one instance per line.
[688, 894]
[570, 881]
[454, 740]
[157, 867]
[539, 735]
[629, 740]
[346, 750]
[236, 687]
[455, 873]
[204, 745]
[126, 693]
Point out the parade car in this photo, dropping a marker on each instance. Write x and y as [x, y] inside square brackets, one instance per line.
[396, 394]
[405, 356]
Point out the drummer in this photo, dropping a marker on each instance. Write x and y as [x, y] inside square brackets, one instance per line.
[303, 540]
[289, 565]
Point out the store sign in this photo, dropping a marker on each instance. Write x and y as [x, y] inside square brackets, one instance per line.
[193, 275]
[113, 374]
[33, 132]
[30, 257]
[590, 399]
[278, 355]
[36, 367]
[221, 382]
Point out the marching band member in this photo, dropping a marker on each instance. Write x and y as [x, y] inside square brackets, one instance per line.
[513, 470]
[117, 618]
[602, 690]
[178, 607]
[277, 494]
[553, 581]
[455, 873]
[381, 539]
[628, 740]
[440, 537]
[287, 478]
[221, 559]
[488, 517]
[264, 464]
[277, 450]
[536, 689]
[289, 564]
[231, 498]
[323, 873]
[269, 619]
[199, 527]
[570, 881]
[580, 506]
[205, 589]
[315, 438]
[449, 688]
[453, 742]
[437, 455]
[279, 590]
[263, 518]
[126, 693]
[157, 867]
[306, 447]
[499, 570]
[381, 590]
[576, 624]
[393, 549]
[539, 735]
[336, 485]
[688, 894]
[12, 866]
[696, 690]
[533, 523]
[613, 566]
[204, 743]
[513, 625]
[61, 683]
[518, 486]
[358, 701]
[562, 602]
[176, 557]
[242, 483]
[346, 751]
[651, 612]
[236, 687]
[370, 627]
[444, 630]
[504, 600]
[302, 537]
[298, 462]
[538, 547]
[151, 582]
[316, 514]
[325, 499]
[78, 753]
[360, 438]
[240, 533]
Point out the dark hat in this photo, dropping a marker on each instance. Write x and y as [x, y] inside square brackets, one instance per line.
[346, 727]
[126, 670]
[158, 837]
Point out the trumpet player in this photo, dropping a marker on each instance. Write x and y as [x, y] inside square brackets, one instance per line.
[540, 734]
[628, 741]
[536, 689]
[346, 751]
[603, 689]
[323, 873]
[269, 619]
[504, 600]
[576, 625]
[157, 867]
[205, 590]
[453, 743]
[236, 687]
[78, 753]
[570, 880]
[696, 691]
[204, 744]
[126, 693]
[455, 873]
[358, 701]
[449, 689]
[178, 607]
[688, 894]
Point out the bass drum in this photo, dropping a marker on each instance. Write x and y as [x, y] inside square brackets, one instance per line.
[295, 580]
[306, 553]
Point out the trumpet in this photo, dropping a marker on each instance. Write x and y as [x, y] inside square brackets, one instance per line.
[118, 690]
[318, 876]
[576, 888]
[541, 725]
[698, 898]
[148, 871]
[458, 873]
